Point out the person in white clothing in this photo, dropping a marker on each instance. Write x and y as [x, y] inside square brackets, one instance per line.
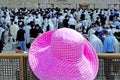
[96, 43]
[55, 22]
[27, 33]
[72, 22]
[60, 20]
[50, 24]
[13, 30]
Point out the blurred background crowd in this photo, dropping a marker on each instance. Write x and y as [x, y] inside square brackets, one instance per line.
[20, 26]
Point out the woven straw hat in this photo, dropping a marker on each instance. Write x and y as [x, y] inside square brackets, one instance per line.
[63, 54]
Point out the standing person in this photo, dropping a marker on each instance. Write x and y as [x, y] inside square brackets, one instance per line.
[1, 38]
[13, 30]
[38, 21]
[54, 55]
[108, 43]
[60, 20]
[84, 26]
[72, 22]
[108, 47]
[2, 34]
[103, 20]
[65, 21]
[27, 34]
[33, 33]
[96, 43]
[55, 21]
[50, 24]
[21, 37]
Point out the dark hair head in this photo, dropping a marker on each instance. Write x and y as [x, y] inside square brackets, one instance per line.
[106, 32]
[19, 48]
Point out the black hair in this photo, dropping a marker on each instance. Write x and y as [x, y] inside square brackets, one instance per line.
[19, 48]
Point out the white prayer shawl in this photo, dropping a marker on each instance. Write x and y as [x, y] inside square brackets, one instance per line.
[54, 11]
[78, 25]
[112, 31]
[94, 16]
[88, 19]
[116, 46]
[51, 14]
[38, 21]
[75, 15]
[27, 33]
[29, 19]
[55, 22]
[41, 21]
[64, 14]
[2, 20]
[51, 25]
[7, 13]
[99, 28]
[96, 43]
[1, 13]
[39, 15]
[13, 30]
[16, 10]
[90, 32]
[85, 23]
[34, 16]
[60, 19]
[81, 11]
[16, 19]
[7, 20]
[25, 20]
[72, 21]
[45, 21]
[78, 16]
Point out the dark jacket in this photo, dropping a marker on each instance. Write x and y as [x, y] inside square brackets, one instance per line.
[20, 35]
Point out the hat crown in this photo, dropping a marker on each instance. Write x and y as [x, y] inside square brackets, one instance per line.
[67, 44]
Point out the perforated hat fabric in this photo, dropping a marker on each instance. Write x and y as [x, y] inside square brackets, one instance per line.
[63, 54]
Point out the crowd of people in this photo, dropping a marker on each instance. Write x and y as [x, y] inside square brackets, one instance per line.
[100, 26]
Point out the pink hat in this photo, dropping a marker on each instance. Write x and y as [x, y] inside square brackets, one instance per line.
[63, 54]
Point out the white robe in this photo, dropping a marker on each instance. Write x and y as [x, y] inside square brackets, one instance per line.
[96, 43]
[13, 30]
[90, 32]
[27, 33]
[39, 21]
[51, 25]
[55, 22]
[7, 20]
[16, 19]
[45, 21]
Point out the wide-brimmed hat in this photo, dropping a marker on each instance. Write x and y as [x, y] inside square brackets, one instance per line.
[63, 54]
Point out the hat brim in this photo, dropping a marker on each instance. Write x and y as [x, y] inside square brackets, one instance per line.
[47, 67]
